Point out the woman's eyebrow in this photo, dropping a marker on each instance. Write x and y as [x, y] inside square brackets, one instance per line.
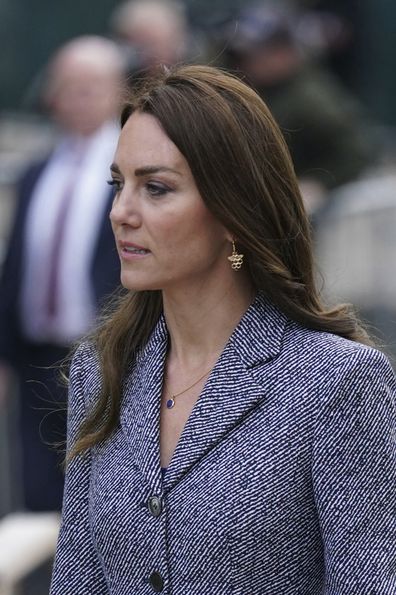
[153, 169]
[146, 170]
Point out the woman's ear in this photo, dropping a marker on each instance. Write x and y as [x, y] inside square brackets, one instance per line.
[229, 236]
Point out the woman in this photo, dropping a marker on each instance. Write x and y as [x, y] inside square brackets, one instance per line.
[227, 432]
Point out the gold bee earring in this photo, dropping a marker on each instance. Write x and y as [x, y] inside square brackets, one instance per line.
[235, 258]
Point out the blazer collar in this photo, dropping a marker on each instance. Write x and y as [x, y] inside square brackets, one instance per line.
[258, 336]
[229, 395]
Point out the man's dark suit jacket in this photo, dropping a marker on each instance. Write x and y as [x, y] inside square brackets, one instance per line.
[40, 389]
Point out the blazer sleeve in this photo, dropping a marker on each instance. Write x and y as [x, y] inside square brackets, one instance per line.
[77, 568]
[354, 480]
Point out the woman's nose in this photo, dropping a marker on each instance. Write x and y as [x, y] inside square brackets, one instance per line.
[125, 210]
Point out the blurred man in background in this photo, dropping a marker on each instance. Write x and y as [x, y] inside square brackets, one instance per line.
[152, 32]
[61, 259]
[328, 137]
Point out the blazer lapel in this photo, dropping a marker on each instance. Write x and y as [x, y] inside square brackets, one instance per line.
[140, 411]
[228, 397]
[231, 392]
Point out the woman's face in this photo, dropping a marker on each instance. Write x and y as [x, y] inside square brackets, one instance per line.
[165, 235]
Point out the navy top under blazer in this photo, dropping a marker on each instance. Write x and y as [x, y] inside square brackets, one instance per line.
[283, 481]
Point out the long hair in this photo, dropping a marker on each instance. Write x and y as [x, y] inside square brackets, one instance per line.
[245, 176]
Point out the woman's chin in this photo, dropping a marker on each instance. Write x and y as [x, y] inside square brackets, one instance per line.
[133, 283]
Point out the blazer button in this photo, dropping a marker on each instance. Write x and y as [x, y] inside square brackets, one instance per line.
[156, 581]
[154, 505]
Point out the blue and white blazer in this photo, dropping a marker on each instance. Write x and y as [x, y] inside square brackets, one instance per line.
[283, 481]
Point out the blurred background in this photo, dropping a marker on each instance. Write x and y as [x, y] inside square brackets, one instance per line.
[326, 68]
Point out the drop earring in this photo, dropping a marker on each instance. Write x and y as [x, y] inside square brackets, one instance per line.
[235, 258]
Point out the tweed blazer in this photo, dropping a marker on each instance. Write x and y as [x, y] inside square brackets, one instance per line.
[282, 483]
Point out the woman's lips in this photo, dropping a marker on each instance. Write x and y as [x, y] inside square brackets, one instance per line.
[128, 250]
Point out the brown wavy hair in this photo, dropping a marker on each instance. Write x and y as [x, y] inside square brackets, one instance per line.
[244, 173]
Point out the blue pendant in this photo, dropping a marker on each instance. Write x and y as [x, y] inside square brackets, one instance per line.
[170, 403]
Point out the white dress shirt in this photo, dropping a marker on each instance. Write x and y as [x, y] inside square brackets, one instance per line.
[76, 309]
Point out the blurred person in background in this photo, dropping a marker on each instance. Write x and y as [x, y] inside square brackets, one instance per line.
[328, 136]
[151, 32]
[332, 29]
[61, 259]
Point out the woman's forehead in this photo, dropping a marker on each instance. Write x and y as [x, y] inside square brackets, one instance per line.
[143, 143]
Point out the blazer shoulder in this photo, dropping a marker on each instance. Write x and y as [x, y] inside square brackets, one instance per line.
[85, 372]
[84, 387]
[334, 358]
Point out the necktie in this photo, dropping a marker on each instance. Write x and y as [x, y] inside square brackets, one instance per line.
[52, 305]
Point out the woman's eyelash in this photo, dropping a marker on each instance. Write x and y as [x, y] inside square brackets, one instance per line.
[156, 189]
[116, 184]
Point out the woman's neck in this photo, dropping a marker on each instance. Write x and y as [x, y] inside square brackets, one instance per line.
[201, 322]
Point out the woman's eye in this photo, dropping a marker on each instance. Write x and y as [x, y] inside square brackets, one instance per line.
[116, 185]
[155, 189]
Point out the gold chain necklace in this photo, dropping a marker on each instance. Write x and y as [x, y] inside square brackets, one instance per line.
[170, 402]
